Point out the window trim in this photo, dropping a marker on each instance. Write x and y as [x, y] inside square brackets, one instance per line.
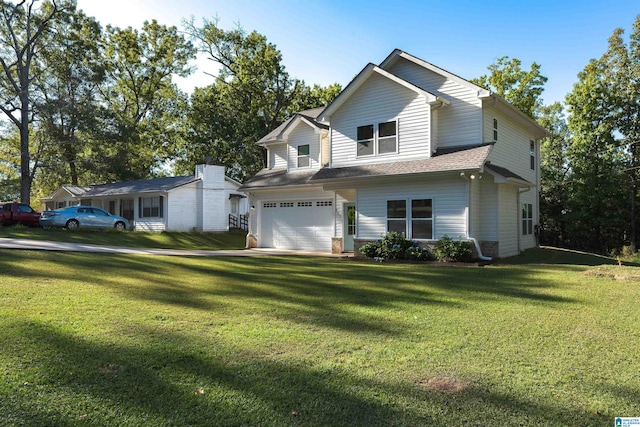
[376, 139]
[532, 154]
[495, 129]
[160, 207]
[409, 218]
[303, 156]
[527, 219]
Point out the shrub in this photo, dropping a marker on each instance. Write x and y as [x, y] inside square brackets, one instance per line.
[395, 246]
[448, 250]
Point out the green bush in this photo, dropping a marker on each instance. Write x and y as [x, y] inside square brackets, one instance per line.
[448, 250]
[395, 246]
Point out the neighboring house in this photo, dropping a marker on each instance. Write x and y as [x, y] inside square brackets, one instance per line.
[203, 201]
[405, 147]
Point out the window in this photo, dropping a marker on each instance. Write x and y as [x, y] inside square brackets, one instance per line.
[286, 204]
[305, 204]
[397, 216]
[527, 218]
[151, 207]
[126, 209]
[495, 129]
[325, 203]
[303, 156]
[532, 155]
[387, 137]
[61, 205]
[365, 141]
[420, 218]
[269, 205]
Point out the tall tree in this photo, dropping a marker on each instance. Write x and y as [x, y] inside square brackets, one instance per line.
[622, 63]
[143, 105]
[522, 89]
[23, 28]
[69, 104]
[250, 96]
[596, 218]
[554, 175]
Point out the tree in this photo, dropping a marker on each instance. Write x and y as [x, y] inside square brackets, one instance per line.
[622, 71]
[522, 89]
[143, 108]
[596, 218]
[69, 104]
[554, 175]
[251, 95]
[23, 28]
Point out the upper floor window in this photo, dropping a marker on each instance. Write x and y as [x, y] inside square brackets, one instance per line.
[532, 155]
[377, 139]
[303, 156]
[365, 140]
[495, 129]
[387, 133]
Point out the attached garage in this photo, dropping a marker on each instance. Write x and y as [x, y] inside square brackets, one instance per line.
[297, 224]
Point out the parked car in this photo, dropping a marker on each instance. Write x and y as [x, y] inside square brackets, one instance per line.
[82, 216]
[18, 213]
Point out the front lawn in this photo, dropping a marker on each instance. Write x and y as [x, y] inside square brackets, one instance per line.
[101, 339]
[234, 239]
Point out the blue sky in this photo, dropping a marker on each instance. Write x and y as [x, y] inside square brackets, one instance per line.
[331, 41]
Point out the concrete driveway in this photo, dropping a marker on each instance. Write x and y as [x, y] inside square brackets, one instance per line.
[9, 243]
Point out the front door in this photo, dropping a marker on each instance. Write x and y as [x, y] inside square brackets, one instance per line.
[349, 226]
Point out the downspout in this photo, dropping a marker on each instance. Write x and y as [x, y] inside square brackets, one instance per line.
[469, 238]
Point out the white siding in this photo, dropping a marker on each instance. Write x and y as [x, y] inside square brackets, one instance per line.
[380, 100]
[182, 208]
[460, 123]
[277, 156]
[512, 149]
[509, 220]
[301, 135]
[486, 215]
[449, 204]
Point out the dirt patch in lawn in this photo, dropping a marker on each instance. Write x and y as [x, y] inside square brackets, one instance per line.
[615, 272]
[445, 384]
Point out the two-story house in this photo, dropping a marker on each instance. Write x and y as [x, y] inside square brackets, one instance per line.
[405, 147]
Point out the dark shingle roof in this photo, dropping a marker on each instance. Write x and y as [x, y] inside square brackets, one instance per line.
[277, 178]
[141, 186]
[310, 115]
[463, 159]
[504, 172]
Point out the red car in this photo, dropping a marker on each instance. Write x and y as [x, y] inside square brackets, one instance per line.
[18, 213]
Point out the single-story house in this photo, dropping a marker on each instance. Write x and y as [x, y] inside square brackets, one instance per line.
[206, 201]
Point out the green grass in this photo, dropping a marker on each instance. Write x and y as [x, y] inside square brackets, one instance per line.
[550, 338]
[235, 239]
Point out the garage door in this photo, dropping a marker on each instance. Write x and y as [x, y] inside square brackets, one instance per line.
[298, 224]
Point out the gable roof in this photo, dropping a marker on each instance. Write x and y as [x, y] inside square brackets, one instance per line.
[483, 93]
[140, 186]
[307, 116]
[363, 76]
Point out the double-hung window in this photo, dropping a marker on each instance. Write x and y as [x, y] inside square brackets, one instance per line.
[151, 207]
[532, 155]
[527, 218]
[365, 140]
[303, 156]
[381, 138]
[416, 222]
[495, 129]
[387, 141]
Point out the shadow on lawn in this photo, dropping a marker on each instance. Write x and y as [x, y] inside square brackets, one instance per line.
[172, 381]
[554, 256]
[321, 292]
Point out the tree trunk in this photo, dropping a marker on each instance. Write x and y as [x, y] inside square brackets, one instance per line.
[25, 156]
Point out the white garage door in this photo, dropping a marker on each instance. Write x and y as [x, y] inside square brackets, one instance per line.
[298, 224]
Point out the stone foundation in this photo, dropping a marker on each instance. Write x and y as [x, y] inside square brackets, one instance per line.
[336, 245]
[252, 241]
[489, 248]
